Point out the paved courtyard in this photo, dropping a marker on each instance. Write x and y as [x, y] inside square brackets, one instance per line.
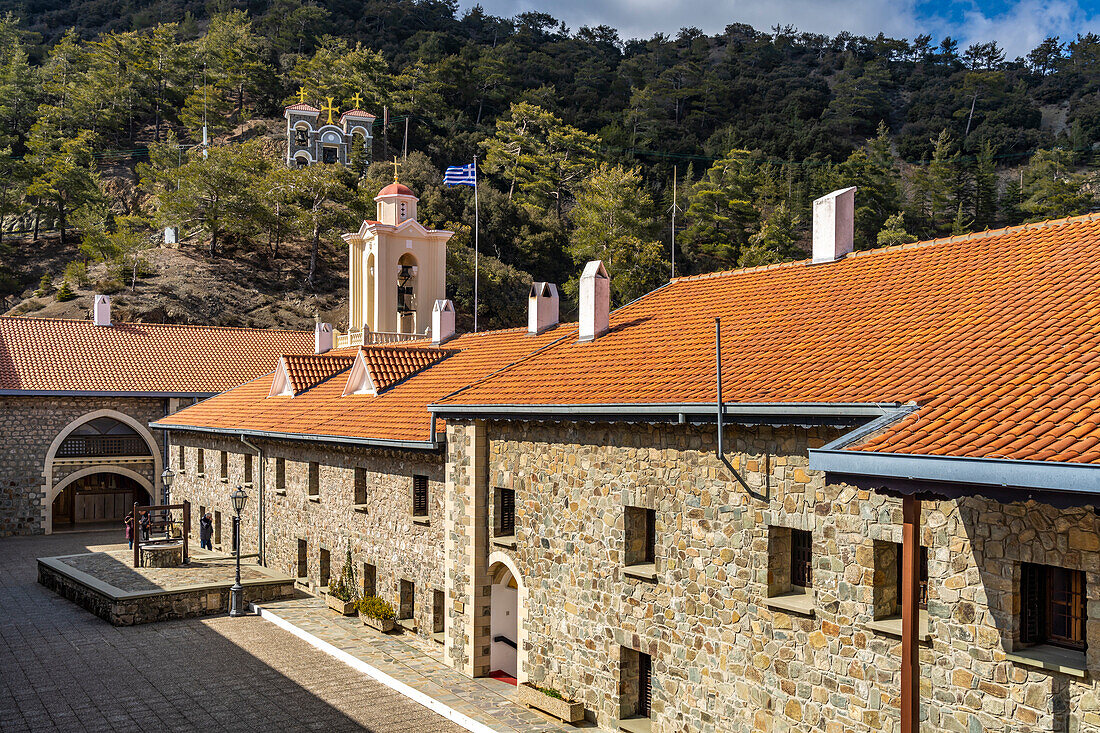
[61, 668]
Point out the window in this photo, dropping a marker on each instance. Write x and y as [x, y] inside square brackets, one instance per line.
[218, 529]
[181, 463]
[922, 589]
[314, 479]
[247, 468]
[437, 615]
[303, 557]
[370, 580]
[223, 469]
[200, 461]
[328, 155]
[360, 486]
[420, 496]
[635, 683]
[280, 474]
[1053, 606]
[406, 608]
[641, 535]
[802, 570]
[505, 512]
[325, 567]
[404, 211]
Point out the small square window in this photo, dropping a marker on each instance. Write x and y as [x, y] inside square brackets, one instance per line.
[223, 469]
[406, 602]
[247, 468]
[790, 561]
[640, 532]
[370, 580]
[635, 683]
[181, 459]
[314, 479]
[802, 558]
[420, 496]
[1053, 607]
[280, 474]
[200, 461]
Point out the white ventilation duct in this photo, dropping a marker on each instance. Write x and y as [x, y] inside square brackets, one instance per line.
[322, 338]
[595, 306]
[542, 307]
[101, 310]
[443, 321]
[834, 224]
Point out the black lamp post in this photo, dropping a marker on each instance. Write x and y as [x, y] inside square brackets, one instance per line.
[166, 480]
[236, 596]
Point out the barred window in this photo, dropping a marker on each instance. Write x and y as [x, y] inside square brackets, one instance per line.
[922, 588]
[1053, 607]
[802, 571]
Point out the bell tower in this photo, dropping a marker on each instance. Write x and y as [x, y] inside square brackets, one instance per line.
[397, 269]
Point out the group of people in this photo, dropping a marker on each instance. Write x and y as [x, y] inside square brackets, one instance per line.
[206, 529]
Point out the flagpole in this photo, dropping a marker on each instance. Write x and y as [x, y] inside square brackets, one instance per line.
[476, 217]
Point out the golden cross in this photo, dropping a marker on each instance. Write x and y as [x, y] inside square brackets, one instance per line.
[356, 101]
[330, 109]
[395, 164]
[301, 95]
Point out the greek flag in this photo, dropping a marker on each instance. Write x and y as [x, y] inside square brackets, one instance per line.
[460, 175]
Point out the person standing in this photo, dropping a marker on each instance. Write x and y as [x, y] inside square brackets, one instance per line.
[129, 522]
[206, 532]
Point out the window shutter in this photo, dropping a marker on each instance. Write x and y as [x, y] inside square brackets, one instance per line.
[1031, 604]
[651, 535]
[645, 685]
[801, 558]
[420, 495]
[508, 512]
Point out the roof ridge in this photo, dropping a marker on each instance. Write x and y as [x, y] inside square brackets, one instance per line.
[31, 319]
[971, 236]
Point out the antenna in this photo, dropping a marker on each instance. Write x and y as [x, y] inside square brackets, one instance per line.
[674, 208]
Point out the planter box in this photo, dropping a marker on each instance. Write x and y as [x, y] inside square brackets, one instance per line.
[565, 710]
[345, 608]
[384, 625]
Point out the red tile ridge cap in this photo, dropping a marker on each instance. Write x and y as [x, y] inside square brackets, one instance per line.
[1044, 224]
[158, 325]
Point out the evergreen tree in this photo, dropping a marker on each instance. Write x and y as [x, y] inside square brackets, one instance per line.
[721, 212]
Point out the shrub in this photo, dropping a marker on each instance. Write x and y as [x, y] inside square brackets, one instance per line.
[374, 607]
[65, 292]
[345, 588]
[550, 692]
[77, 272]
[45, 286]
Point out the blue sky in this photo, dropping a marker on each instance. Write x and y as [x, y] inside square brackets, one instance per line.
[1018, 25]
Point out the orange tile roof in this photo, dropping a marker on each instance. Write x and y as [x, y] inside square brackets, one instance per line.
[38, 354]
[996, 336]
[399, 413]
[309, 370]
[389, 365]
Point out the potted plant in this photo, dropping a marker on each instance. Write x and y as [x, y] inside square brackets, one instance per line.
[343, 595]
[377, 614]
[551, 702]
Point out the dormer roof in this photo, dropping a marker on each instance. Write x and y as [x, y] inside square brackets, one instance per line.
[297, 373]
[377, 368]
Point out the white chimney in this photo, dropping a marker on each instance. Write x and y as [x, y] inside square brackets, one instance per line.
[834, 224]
[322, 338]
[101, 310]
[595, 301]
[542, 307]
[443, 322]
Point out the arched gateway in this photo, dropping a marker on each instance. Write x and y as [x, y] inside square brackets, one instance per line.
[508, 613]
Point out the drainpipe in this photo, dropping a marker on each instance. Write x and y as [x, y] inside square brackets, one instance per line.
[718, 373]
[262, 557]
[164, 450]
[431, 435]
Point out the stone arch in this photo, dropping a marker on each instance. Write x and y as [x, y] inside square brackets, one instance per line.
[75, 476]
[500, 565]
[50, 491]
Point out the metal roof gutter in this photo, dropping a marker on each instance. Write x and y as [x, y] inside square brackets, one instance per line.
[97, 393]
[996, 472]
[676, 411]
[342, 439]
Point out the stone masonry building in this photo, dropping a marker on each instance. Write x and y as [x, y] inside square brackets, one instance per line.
[855, 493]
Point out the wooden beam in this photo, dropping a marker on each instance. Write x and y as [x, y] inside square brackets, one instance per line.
[910, 615]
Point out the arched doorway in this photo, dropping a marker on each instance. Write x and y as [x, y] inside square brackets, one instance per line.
[504, 625]
[101, 498]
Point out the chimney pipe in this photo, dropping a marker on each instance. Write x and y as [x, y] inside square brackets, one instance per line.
[595, 304]
[542, 307]
[443, 322]
[322, 338]
[834, 224]
[101, 310]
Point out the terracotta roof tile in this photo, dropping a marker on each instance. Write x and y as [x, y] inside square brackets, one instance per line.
[38, 354]
[389, 365]
[309, 370]
[996, 336]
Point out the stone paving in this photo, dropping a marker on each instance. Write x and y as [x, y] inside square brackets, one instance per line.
[412, 662]
[63, 669]
[115, 568]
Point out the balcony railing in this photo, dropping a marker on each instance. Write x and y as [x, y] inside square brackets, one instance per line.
[85, 446]
[366, 338]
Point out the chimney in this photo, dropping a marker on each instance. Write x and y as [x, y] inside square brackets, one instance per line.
[595, 301]
[322, 338]
[443, 322]
[101, 310]
[542, 307]
[834, 224]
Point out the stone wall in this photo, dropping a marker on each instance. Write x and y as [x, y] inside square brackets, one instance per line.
[381, 529]
[725, 655]
[28, 425]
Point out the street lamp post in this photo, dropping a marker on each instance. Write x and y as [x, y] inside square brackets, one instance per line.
[166, 480]
[236, 599]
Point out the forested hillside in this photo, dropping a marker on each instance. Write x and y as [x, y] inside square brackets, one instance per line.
[579, 136]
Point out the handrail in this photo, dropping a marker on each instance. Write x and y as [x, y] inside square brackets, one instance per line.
[506, 640]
